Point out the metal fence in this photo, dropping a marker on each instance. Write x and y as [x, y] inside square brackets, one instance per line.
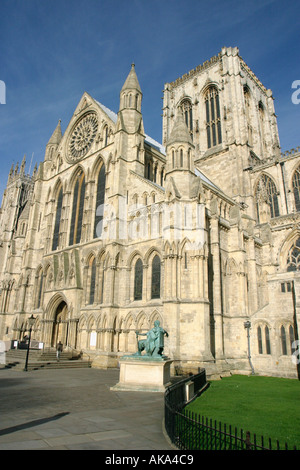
[190, 431]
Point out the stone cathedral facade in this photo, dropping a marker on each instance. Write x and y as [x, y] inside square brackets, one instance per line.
[114, 230]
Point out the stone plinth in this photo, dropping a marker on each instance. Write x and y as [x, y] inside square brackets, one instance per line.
[144, 374]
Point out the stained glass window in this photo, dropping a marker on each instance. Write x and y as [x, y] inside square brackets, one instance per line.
[293, 258]
[187, 111]
[77, 210]
[267, 336]
[296, 188]
[55, 240]
[138, 280]
[259, 339]
[93, 280]
[213, 118]
[155, 284]
[283, 341]
[100, 202]
[39, 300]
[267, 189]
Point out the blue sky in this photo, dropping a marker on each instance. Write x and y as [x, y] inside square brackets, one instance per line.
[54, 50]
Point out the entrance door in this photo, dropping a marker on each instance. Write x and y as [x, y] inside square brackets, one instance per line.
[60, 325]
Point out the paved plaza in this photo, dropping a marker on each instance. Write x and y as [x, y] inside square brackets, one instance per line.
[74, 409]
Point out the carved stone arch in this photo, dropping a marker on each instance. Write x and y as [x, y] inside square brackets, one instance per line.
[79, 169]
[142, 322]
[130, 319]
[52, 305]
[231, 267]
[91, 255]
[184, 245]
[130, 328]
[98, 163]
[151, 253]
[133, 257]
[83, 321]
[155, 315]
[167, 248]
[286, 245]
[209, 84]
[91, 322]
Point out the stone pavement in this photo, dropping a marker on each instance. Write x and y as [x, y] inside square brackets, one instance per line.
[74, 409]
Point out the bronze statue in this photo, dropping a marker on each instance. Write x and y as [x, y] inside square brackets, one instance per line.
[154, 342]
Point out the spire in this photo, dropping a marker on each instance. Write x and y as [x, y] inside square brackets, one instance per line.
[131, 82]
[180, 132]
[22, 169]
[56, 136]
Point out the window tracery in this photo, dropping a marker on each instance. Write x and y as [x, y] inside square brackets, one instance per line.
[213, 117]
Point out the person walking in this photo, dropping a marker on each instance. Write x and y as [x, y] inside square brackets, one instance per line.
[59, 349]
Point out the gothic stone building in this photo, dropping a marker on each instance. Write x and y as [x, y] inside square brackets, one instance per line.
[114, 230]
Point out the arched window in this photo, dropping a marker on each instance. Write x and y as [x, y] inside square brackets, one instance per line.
[40, 289]
[283, 341]
[263, 348]
[138, 280]
[92, 280]
[266, 190]
[187, 111]
[248, 113]
[213, 117]
[293, 257]
[105, 136]
[77, 210]
[287, 337]
[181, 158]
[100, 202]
[296, 188]
[259, 339]
[155, 280]
[162, 177]
[267, 338]
[55, 240]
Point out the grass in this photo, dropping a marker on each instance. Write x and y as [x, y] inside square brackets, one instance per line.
[266, 406]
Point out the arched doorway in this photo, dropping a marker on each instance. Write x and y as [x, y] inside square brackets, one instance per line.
[60, 325]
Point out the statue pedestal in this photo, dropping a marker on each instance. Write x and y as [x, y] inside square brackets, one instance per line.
[143, 374]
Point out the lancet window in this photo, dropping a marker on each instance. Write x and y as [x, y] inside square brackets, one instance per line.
[55, 240]
[155, 281]
[77, 209]
[266, 190]
[296, 188]
[100, 202]
[138, 280]
[213, 117]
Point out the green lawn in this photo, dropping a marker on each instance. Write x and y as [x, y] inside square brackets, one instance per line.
[265, 406]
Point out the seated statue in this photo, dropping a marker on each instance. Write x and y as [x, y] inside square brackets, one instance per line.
[153, 344]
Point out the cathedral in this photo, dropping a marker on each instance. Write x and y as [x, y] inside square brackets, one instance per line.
[113, 230]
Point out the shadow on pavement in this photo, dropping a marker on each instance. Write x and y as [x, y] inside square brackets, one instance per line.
[31, 424]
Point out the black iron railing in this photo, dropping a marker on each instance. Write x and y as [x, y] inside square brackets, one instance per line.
[190, 431]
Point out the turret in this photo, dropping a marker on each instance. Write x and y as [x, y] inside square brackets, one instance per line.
[130, 135]
[53, 143]
[180, 157]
